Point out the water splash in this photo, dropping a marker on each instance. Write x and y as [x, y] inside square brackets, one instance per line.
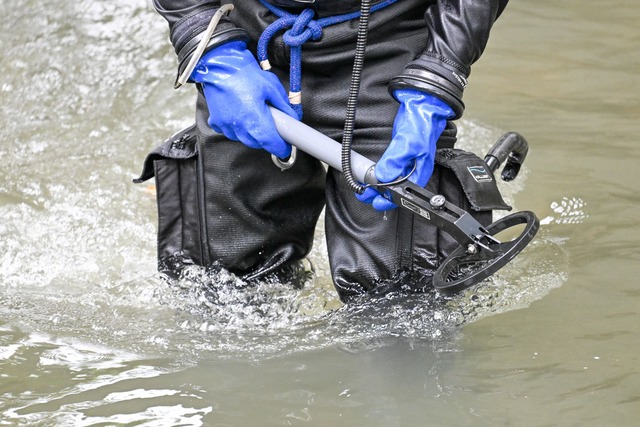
[95, 280]
[273, 319]
[569, 210]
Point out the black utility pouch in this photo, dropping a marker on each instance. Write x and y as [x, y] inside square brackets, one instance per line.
[464, 180]
[476, 179]
[174, 164]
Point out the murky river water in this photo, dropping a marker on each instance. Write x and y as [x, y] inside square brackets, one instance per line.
[90, 335]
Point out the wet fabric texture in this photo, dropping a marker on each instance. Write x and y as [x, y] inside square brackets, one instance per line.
[255, 219]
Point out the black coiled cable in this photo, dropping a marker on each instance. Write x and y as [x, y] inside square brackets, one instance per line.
[352, 100]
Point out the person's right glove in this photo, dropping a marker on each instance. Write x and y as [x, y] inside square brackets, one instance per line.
[238, 93]
[419, 123]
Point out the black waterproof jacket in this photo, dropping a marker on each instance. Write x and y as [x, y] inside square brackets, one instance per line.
[458, 32]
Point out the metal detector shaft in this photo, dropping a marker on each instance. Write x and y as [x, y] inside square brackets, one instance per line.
[321, 146]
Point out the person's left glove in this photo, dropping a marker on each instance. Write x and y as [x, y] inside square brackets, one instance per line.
[238, 93]
[419, 123]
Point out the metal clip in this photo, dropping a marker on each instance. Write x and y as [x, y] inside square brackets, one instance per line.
[290, 162]
[182, 79]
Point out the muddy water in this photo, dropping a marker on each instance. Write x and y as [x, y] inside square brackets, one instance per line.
[91, 335]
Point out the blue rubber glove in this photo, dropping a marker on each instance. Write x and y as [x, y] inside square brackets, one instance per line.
[419, 122]
[238, 93]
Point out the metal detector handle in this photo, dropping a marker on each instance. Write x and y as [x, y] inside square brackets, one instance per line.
[511, 147]
[321, 146]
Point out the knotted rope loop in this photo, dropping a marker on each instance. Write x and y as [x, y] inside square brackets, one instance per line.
[299, 29]
[304, 28]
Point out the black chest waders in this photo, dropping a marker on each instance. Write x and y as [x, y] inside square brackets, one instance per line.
[220, 202]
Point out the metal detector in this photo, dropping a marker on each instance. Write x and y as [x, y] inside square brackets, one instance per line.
[480, 253]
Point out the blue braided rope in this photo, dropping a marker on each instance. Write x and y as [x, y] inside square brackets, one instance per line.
[298, 29]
